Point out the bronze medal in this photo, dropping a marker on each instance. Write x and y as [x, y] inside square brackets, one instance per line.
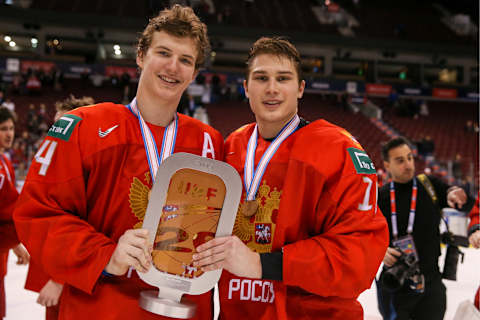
[250, 208]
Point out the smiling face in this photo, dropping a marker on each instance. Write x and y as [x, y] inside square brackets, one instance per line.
[168, 67]
[7, 131]
[273, 89]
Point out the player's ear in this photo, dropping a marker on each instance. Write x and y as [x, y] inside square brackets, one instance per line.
[245, 86]
[140, 60]
[301, 89]
[386, 165]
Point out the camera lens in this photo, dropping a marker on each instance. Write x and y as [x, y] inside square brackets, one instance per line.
[451, 262]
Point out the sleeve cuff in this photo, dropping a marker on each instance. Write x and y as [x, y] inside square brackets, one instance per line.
[272, 265]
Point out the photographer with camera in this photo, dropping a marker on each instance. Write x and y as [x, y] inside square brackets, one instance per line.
[410, 285]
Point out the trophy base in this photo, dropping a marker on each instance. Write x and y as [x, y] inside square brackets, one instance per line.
[150, 301]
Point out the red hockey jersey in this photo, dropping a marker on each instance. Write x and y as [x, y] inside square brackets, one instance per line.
[317, 203]
[475, 222]
[88, 183]
[475, 214]
[8, 197]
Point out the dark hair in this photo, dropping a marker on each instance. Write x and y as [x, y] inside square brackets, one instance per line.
[393, 143]
[6, 114]
[181, 22]
[276, 46]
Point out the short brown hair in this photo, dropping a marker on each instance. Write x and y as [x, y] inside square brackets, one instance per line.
[72, 103]
[278, 46]
[181, 22]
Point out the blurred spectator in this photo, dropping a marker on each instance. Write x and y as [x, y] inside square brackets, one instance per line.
[97, 79]
[196, 90]
[428, 146]
[34, 86]
[393, 99]
[125, 85]
[469, 126]
[42, 112]
[115, 80]
[17, 84]
[424, 108]
[57, 76]
[457, 166]
[2, 97]
[216, 88]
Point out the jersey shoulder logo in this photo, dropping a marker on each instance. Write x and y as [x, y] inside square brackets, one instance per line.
[103, 134]
[361, 161]
[64, 126]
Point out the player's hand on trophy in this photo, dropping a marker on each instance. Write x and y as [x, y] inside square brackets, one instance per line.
[231, 254]
[50, 294]
[391, 256]
[474, 239]
[133, 250]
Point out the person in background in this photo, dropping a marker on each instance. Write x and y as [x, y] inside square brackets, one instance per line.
[8, 198]
[411, 204]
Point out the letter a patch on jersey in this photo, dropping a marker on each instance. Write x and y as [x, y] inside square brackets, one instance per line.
[208, 146]
[361, 161]
[64, 126]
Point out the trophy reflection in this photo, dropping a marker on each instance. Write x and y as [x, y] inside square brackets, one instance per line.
[193, 200]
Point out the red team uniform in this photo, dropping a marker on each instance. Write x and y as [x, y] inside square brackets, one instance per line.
[472, 227]
[318, 205]
[8, 197]
[88, 184]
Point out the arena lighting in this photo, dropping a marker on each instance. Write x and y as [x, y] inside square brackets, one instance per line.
[12, 44]
[118, 52]
[7, 38]
[116, 47]
[34, 41]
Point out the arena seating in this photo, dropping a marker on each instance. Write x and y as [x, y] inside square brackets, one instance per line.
[446, 126]
[376, 18]
[49, 96]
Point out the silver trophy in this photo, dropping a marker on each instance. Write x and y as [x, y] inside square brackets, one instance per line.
[193, 200]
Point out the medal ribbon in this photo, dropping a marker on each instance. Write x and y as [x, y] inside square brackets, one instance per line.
[168, 142]
[6, 168]
[393, 209]
[253, 176]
